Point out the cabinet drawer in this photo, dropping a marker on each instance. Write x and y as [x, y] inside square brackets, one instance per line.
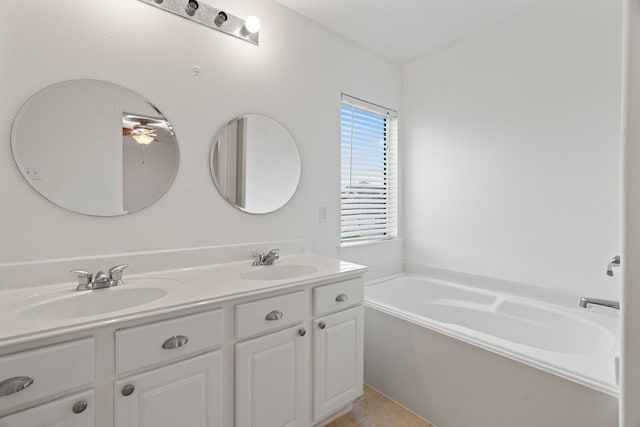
[72, 411]
[50, 370]
[167, 340]
[330, 298]
[270, 313]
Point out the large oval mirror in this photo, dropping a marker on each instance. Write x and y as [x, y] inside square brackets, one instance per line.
[94, 147]
[255, 164]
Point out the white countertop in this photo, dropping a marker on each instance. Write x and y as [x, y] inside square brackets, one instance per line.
[191, 287]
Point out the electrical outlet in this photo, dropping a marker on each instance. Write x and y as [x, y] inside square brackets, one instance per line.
[34, 173]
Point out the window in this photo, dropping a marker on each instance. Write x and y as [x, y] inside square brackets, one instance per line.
[369, 185]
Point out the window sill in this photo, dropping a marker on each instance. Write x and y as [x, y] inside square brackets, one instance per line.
[369, 242]
[382, 257]
[372, 243]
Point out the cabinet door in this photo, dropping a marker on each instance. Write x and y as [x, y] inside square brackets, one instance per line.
[272, 379]
[338, 343]
[184, 394]
[72, 411]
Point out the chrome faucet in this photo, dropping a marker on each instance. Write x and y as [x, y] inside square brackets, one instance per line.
[615, 262]
[588, 302]
[87, 282]
[269, 258]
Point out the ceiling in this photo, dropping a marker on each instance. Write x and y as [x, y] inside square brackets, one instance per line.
[404, 30]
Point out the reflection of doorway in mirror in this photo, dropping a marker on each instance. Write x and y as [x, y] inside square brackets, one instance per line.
[255, 164]
[148, 152]
[228, 162]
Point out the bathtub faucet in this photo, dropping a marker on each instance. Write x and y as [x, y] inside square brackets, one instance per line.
[588, 302]
[615, 262]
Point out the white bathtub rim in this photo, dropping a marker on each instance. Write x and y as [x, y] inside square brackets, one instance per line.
[517, 351]
[584, 315]
[539, 292]
[517, 290]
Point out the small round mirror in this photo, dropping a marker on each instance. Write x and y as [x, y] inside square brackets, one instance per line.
[94, 147]
[255, 164]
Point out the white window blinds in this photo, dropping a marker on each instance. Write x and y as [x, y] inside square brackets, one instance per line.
[369, 161]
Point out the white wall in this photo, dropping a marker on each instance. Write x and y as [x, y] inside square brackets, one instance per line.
[296, 76]
[513, 150]
[630, 352]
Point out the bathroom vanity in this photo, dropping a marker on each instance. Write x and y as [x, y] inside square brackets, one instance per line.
[220, 345]
[224, 345]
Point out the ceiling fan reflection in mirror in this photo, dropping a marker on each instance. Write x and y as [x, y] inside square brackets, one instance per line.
[144, 130]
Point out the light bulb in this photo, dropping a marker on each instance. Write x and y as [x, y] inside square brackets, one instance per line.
[252, 24]
[143, 139]
[191, 7]
[221, 18]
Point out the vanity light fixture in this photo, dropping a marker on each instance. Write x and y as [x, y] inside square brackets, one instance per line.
[203, 14]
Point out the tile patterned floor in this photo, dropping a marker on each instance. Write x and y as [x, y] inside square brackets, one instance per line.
[375, 410]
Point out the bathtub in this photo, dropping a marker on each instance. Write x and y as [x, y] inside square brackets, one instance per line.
[463, 356]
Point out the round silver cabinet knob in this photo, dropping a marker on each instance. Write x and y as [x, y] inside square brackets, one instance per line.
[302, 332]
[322, 325]
[79, 406]
[128, 390]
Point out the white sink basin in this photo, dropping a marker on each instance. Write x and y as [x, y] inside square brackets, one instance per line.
[91, 303]
[279, 272]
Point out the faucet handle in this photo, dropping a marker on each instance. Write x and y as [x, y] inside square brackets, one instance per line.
[84, 279]
[115, 273]
[271, 257]
[257, 258]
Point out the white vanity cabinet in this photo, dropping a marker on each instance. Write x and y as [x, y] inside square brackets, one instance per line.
[46, 372]
[275, 355]
[41, 376]
[272, 379]
[338, 342]
[279, 383]
[338, 346]
[184, 394]
[271, 370]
